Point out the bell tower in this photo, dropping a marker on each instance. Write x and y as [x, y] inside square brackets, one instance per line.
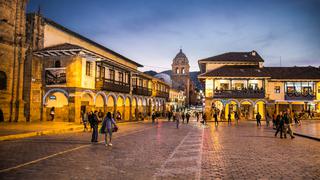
[180, 74]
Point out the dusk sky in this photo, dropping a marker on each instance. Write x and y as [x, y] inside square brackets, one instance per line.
[151, 32]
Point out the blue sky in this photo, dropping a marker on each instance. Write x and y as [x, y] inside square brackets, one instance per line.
[152, 31]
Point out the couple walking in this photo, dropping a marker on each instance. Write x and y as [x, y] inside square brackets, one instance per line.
[283, 124]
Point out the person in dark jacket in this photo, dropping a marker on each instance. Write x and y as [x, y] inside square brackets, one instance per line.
[188, 117]
[215, 116]
[280, 125]
[153, 117]
[258, 118]
[229, 118]
[95, 122]
[287, 126]
[236, 117]
[182, 116]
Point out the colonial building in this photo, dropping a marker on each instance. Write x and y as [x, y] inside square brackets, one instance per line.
[57, 68]
[238, 82]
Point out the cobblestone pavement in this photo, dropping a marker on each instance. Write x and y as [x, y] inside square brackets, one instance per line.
[308, 127]
[145, 151]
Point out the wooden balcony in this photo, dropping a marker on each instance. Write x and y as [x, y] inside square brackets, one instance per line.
[141, 91]
[299, 96]
[162, 94]
[239, 94]
[111, 85]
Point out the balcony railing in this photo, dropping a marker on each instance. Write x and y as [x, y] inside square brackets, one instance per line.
[299, 96]
[162, 94]
[239, 94]
[141, 91]
[112, 85]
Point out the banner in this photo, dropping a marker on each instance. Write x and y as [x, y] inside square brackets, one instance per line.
[55, 76]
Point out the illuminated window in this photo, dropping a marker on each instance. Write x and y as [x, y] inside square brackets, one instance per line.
[88, 68]
[177, 70]
[120, 76]
[111, 74]
[277, 89]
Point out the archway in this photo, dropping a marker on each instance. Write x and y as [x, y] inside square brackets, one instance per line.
[134, 108]
[58, 102]
[260, 106]
[140, 107]
[111, 104]
[246, 109]
[231, 107]
[100, 103]
[87, 102]
[218, 107]
[120, 108]
[127, 109]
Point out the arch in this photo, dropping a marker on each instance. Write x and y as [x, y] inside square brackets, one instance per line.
[87, 99]
[58, 102]
[260, 100]
[3, 80]
[88, 92]
[134, 107]
[120, 106]
[111, 103]
[111, 95]
[54, 90]
[103, 94]
[127, 106]
[99, 101]
[260, 106]
[247, 100]
[233, 100]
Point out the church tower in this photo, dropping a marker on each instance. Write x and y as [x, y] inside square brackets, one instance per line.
[180, 74]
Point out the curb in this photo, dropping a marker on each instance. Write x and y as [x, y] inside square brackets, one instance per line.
[40, 133]
[307, 136]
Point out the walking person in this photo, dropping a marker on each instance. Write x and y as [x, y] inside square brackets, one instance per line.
[169, 116]
[95, 123]
[274, 118]
[229, 118]
[52, 111]
[204, 118]
[197, 116]
[267, 119]
[84, 117]
[188, 117]
[258, 119]
[177, 117]
[236, 117]
[280, 125]
[153, 117]
[287, 126]
[110, 125]
[182, 116]
[215, 116]
[90, 119]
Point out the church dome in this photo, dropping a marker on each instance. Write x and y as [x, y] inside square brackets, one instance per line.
[180, 58]
[164, 77]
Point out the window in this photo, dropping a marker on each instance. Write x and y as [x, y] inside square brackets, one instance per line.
[98, 73]
[134, 81]
[177, 70]
[3, 80]
[57, 64]
[277, 89]
[111, 72]
[88, 68]
[120, 76]
[103, 70]
[224, 86]
[182, 71]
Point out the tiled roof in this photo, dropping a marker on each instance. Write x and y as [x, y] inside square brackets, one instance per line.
[49, 21]
[308, 72]
[236, 71]
[252, 56]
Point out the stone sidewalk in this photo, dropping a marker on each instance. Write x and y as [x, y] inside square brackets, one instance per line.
[308, 128]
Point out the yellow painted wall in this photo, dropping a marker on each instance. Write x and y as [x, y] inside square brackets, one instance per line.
[54, 36]
[87, 81]
[271, 93]
[209, 88]
[318, 90]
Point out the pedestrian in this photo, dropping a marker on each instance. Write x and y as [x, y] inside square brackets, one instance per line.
[267, 119]
[280, 125]
[236, 117]
[274, 118]
[215, 116]
[90, 119]
[197, 116]
[287, 126]
[95, 123]
[258, 118]
[204, 118]
[118, 116]
[153, 117]
[182, 116]
[188, 117]
[52, 113]
[296, 118]
[110, 125]
[100, 115]
[177, 117]
[169, 116]
[229, 118]
[84, 117]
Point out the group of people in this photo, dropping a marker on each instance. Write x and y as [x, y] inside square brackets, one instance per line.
[282, 123]
[94, 118]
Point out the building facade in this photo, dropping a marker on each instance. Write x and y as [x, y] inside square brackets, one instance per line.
[63, 71]
[238, 82]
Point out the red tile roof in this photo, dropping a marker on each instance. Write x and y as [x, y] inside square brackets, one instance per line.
[252, 56]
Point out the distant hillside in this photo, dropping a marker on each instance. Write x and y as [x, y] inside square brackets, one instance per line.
[151, 73]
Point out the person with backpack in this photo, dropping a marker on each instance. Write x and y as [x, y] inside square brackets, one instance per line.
[108, 126]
